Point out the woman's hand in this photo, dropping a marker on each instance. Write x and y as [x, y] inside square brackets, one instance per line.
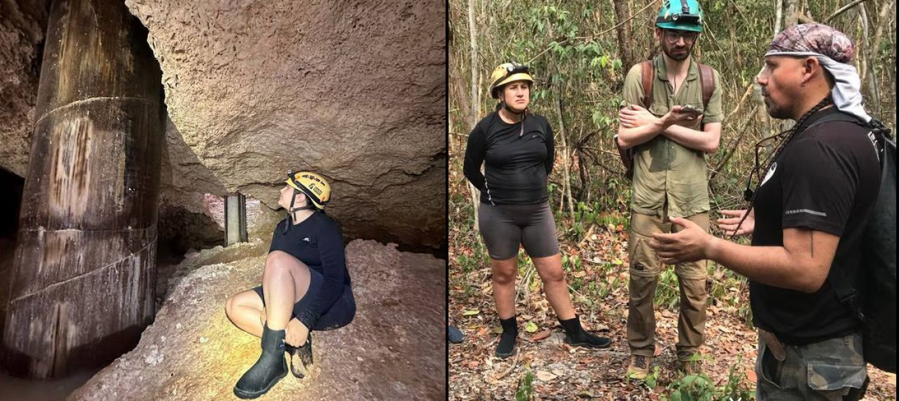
[730, 225]
[295, 334]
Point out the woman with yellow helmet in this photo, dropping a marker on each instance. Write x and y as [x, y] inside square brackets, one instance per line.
[305, 287]
[516, 148]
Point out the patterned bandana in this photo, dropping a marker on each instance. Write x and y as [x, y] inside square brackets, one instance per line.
[835, 52]
[814, 38]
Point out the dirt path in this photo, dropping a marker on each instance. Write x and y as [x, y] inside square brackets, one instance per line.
[565, 373]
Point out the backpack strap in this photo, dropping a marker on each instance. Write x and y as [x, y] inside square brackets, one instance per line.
[839, 116]
[707, 83]
[648, 70]
[648, 74]
[842, 285]
[879, 133]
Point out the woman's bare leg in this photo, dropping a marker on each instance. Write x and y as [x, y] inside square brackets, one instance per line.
[285, 281]
[503, 280]
[246, 309]
[554, 277]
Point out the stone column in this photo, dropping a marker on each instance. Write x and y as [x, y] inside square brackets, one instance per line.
[235, 219]
[84, 269]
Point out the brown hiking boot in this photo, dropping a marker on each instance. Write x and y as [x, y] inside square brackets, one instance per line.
[690, 367]
[689, 363]
[639, 367]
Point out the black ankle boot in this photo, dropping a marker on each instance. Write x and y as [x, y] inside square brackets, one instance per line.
[301, 368]
[576, 336]
[507, 345]
[269, 368]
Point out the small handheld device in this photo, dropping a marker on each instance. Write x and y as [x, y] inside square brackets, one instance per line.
[691, 109]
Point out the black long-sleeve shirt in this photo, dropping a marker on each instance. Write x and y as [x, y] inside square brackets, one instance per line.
[515, 167]
[317, 243]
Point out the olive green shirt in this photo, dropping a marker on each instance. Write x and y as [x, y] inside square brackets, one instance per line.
[664, 171]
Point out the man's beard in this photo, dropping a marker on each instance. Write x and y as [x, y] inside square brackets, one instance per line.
[670, 51]
[774, 110]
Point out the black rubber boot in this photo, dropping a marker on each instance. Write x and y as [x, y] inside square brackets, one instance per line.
[507, 346]
[269, 368]
[576, 336]
[454, 335]
[301, 369]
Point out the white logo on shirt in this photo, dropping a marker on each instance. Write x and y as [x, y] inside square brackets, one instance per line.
[770, 173]
[306, 239]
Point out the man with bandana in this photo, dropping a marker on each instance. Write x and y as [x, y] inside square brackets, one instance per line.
[804, 219]
[670, 177]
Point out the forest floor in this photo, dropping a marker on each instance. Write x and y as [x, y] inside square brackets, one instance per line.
[597, 274]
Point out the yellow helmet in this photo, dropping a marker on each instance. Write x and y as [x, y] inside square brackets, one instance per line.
[506, 73]
[312, 185]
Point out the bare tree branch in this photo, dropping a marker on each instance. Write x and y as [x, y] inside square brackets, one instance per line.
[592, 36]
[842, 9]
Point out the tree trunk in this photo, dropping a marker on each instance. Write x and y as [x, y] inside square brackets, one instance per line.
[790, 13]
[623, 34]
[567, 186]
[473, 58]
[84, 267]
[871, 55]
[892, 23]
[790, 19]
[779, 12]
[476, 98]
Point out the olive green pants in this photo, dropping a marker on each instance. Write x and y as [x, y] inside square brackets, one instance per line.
[645, 270]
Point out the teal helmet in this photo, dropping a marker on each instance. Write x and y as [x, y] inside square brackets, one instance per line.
[683, 15]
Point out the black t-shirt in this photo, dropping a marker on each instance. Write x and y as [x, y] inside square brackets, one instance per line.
[515, 167]
[317, 243]
[826, 179]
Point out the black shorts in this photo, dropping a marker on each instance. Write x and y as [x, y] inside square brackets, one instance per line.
[504, 227]
[339, 315]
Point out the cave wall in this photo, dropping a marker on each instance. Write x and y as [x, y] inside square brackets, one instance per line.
[22, 29]
[354, 90]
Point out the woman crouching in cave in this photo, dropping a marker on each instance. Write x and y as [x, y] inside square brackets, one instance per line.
[305, 287]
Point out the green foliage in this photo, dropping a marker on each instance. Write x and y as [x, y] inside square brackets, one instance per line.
[525, 391]
[651, 380]
[572, 49]
[734, 388]
[667, 292]
[701, 388]
[572, 263]
[746, 314]
[574, 54]
[693, 388]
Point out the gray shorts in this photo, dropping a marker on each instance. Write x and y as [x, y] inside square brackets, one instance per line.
[504, 227]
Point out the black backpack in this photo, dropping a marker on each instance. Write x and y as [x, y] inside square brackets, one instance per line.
[877, 308]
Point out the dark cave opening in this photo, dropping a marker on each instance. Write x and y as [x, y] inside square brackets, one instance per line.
[181, 231]
[10, 203]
